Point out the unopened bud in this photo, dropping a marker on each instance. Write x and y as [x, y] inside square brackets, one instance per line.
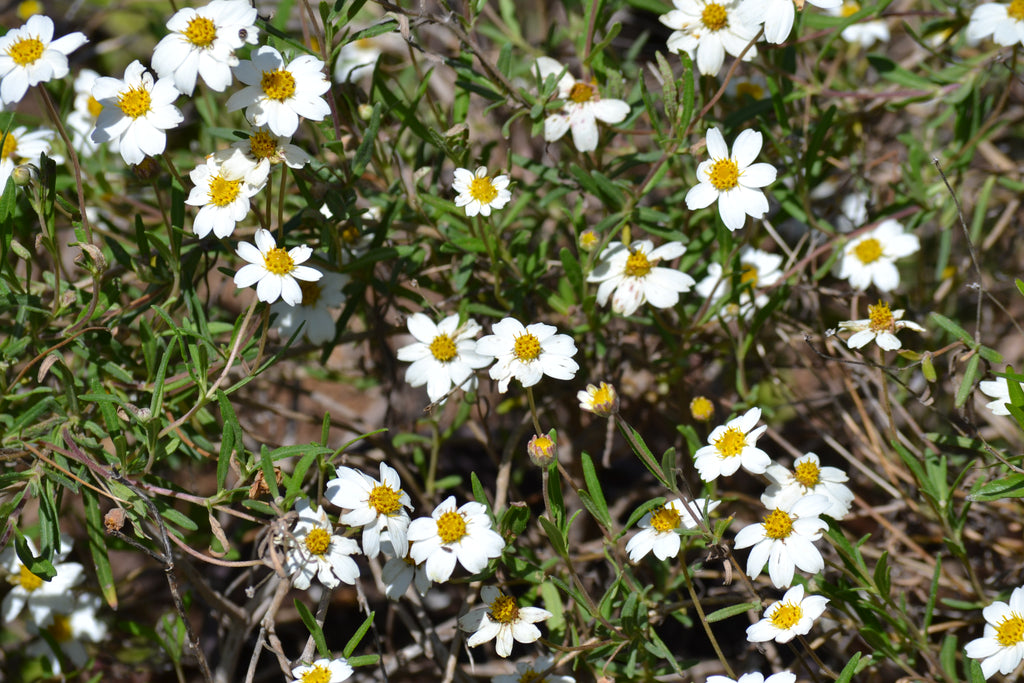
[542, 449]
[702, 408]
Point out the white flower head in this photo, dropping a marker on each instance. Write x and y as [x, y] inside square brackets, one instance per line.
[315, 550]
[314, 311]
[869, 258]
[601, 400]
[135, 111]
[262, 149]
[998, 389]
[527, 353]
[782, 677]
[274, 271]
[398, 573]
[530, 672]
[322, 671]
[788, 618]
[757, 269]
[1005, 23]
[379, 507]
[478, 192]
[808, 477]
[43, 599]
[867, 33]
[733, 180]
[203, 42]
[1002, 647]
[356, 60]
[731, 446]
[631, 276]
[443, 355]
[276, 94]
[502, 620]
[881, 326]
[777, 16]
[82, 118]
[451, 534]
[20, 146]
[29, 56]
[709, 29]
[583, 107]
[660, 528]
[223, 193]
[69, 631]
[784, 539]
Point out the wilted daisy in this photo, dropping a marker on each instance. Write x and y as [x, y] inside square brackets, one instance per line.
[478, 192]
[788, 618]
[69, 632]
[314, 311]
[869, 258]
[20, 146]
[82, 118]
[660, 528]
[379, 507]
[322, 671]
[356, 59]
[709, 29]
[733, 180]
[808, 477]
[867, 33]
[43, 599]
[784, 540]
[777, 16]
[757, 269]
[631, 276]
[398, 573]
[731, 446]
[1002, 647]
[600, 400]
[277, 94]
[527, 353]
[582, 109]
[881, 325]
[451, 534]
[29, 56]
[530, 672]
[782, 677]
[999, 389]
[135, 111]
[443, 355]
[1005, 23]
[503, 621]
[274, 271]
[203, 41]
[223, 194]
[315, 550]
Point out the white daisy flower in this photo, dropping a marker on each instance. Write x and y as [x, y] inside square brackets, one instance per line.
[1002, 647]
[503, 621]
[731, 446]
[999, 389]
[443, 355]
[20, 146]
[788, 618]
[732, 180]
[784, 539]
[478, 192]
[709, 29]
[398, 573]
[634, 277]
[530, 672]
[29, 56]
[853, 211]
[451, 534]
[315, 550]
[777, 16]
[527, 353]
[379, 507]
[757, 269]
[262, 150]
[782, 677]
[660, 528]
[223, 192]
[808, 477]
[274, 271]
[867, 33]
[600, 400]
[356, 60]
[277, 95]
[881, 325]
[135, 111]
[69, 631]
[314, 309]
[43, 599]
[322, 671]
[869, 257]
[82, 118]
[1005, 23]
[582, 109]
[203, 42]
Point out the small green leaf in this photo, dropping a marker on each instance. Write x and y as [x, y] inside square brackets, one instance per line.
[732, 611]
[314, 628]
[1011, 486]
[353, 642]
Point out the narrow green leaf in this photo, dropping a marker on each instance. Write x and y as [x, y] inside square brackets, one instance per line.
[314, 628]
[98, 547]
[970, 375]
[353, 642]
[364, 153]
[555, 536]
[953, 328]
[732, 611]
[594, 489]
[846, 675]
[1011, 486]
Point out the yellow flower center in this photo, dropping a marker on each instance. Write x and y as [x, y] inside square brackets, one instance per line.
[201, 32]
[868, 250]
[350, 234]
[310, 293]
[25, 51]
[702, 408]
[1010, 630]
[787, 616]
[318, 541]
[451, 527]
[807, 474]
[1016, 10]
[504, 610]
[223, 191]
[483, 190]
[582, 92]
[278, 84]
[28, 8]
[881, 318]
[443, 348]
[527, 348]
[541, 443]
[724, 175]
[849, 9]
[731, 443]
[637, 264]
[278, 261]
[749, 275]
[529, 676]
[94, 107]
[603, 399]
[385, 500]
[751, 90]
[778, 524]
[664, 519]
[28, 580]
[588, 240]
[10, 144]
[317, 674]
[262, 145]
[134, 102]
[714, 17]
[60, 629]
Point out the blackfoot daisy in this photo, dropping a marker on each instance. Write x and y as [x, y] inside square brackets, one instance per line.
[274, 271]
[502, 620]
[733, 180]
